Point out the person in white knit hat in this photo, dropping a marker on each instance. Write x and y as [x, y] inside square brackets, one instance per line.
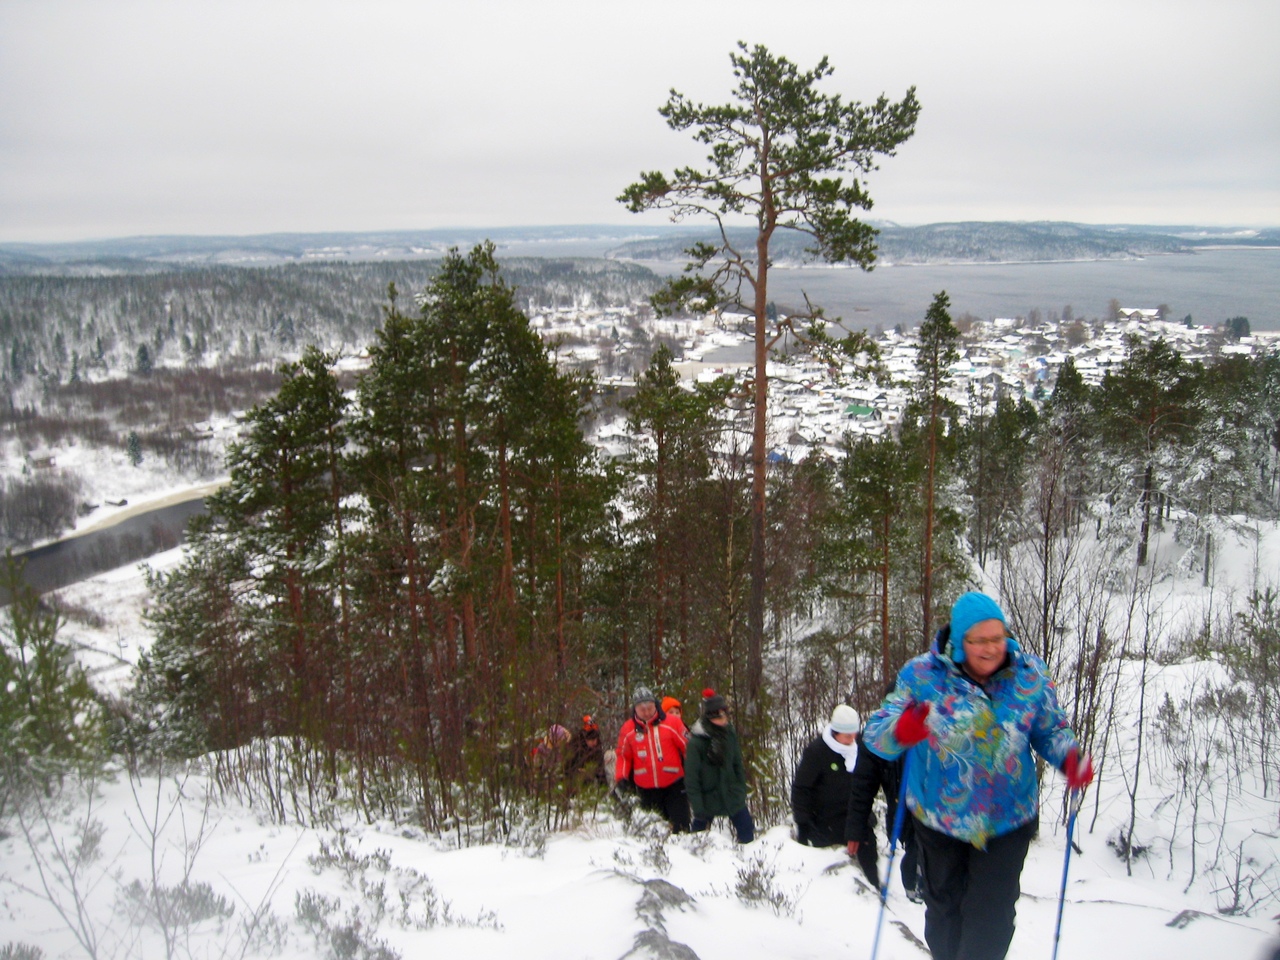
[823, 779]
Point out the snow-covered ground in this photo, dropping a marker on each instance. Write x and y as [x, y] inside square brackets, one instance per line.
[599, 888]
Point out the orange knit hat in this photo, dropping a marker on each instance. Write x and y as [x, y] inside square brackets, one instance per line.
[668, 703]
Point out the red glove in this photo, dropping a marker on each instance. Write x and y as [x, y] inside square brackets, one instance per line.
[1079, 769]
[911, 727]
[852, 847]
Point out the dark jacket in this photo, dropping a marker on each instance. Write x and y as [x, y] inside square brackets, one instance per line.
[714, 775]
[820, 795]
[871, 774]
[584, 761]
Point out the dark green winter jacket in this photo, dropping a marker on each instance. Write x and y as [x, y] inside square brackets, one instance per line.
[714, 776]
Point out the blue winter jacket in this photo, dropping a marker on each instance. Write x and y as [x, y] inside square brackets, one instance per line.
[974, 777]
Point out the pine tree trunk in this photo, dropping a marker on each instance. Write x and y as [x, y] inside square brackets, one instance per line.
[885, 663]
[759, 436]
[1146, 515]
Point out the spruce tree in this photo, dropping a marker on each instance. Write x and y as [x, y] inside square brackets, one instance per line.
[51, 719]
[876, 537]
[994, 447]
[483, 500]
[1148, 406]
[142, 361]
[674, 431]
[283, 505]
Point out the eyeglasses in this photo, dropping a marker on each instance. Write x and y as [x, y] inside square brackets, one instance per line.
[984, 641]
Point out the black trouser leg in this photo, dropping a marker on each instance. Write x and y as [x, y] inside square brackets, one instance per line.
[971, 895]
[670, 801]
[675, 806]
[867, 855]
[994, 887]
[944, 870]
[910, 870]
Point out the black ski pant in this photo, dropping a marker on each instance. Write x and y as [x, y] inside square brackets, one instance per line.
[970, 895]
[671, 801]
[868, 852]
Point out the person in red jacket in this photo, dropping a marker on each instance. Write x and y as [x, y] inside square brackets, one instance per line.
[650, 758]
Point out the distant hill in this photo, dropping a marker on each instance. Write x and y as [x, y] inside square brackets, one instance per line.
[965, 242]
[152, 254]
[982, 242]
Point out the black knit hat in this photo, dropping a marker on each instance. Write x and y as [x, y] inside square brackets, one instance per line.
[712, 703]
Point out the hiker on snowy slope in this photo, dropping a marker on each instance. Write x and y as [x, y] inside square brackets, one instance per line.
[970, 712]
[675, 715]
[824, 776]
[584, 759]
[650, 757]
[872, 775]
[716, 776]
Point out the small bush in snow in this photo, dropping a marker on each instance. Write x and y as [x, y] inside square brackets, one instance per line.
[1126, 847]
[177, 906]
[340, 938]
[757, 886]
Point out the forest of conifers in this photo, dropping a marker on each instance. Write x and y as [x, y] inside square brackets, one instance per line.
[405, 584]
[57, 327]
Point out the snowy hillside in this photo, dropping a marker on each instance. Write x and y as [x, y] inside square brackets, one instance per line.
[598, 890]
[601, 887]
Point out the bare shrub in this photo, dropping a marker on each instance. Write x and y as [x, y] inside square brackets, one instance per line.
[95, 413]
[77, 613]
[757, 886]
[37, 508]
[182, 449]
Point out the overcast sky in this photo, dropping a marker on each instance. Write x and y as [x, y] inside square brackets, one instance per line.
[131, 118]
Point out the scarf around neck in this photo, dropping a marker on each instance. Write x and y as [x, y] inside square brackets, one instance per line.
[848, 751]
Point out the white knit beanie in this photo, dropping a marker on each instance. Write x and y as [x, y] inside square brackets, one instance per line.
[845, 719]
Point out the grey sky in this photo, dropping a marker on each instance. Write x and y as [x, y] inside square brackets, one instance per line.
[128, 118]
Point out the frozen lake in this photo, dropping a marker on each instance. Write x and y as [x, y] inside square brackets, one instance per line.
[1210, 285]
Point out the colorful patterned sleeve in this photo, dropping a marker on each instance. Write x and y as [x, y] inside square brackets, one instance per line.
[913, 685]
[1051, 734]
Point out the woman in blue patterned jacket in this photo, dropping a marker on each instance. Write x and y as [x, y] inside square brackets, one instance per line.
[970, 712]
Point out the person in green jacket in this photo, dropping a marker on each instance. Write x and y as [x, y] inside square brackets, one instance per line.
[714, 775]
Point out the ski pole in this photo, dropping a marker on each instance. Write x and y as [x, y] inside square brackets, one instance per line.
[893, 849]
[1076, 797]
